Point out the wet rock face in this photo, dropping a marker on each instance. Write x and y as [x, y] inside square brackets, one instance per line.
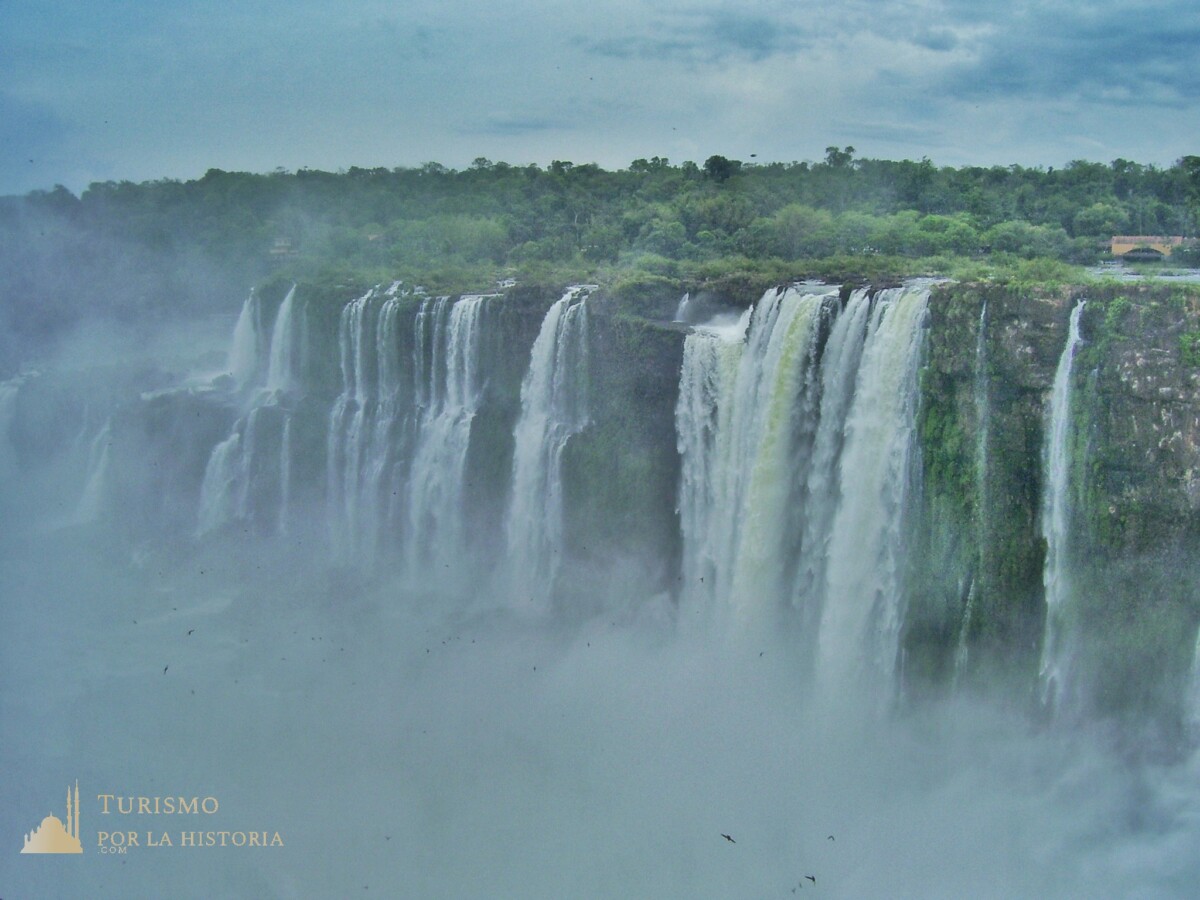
[621, 473]
[1136, 502]
[160, 446]
[58, 410]
[1153, 374]
[1143, 391]
[976, 576]
[1029, 335]
[1138, 385]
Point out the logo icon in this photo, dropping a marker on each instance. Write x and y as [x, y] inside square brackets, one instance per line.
[52, 836]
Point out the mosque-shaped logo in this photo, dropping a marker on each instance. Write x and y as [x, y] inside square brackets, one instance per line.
[52, 836]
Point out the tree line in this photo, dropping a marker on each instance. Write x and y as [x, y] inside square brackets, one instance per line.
[133, 248]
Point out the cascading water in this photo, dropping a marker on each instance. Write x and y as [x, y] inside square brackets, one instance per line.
[863, 606]
[436, 532]
[9, 392]
[91, 502]
[246, 355]
[243, 479]
[283, 352]
[223, 491]
[1058, 646]
[285, 475]
[384, 456]
[553, 408]
[681, 311]
[839, 371]
[796, 468]
[702, 417]
[347, 427]
[774, 418]
[745, 447]
[227, 488]
[400, 430]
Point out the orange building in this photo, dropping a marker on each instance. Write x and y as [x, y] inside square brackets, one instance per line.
[1145, 246]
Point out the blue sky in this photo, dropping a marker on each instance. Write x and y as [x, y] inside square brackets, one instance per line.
[129, 89]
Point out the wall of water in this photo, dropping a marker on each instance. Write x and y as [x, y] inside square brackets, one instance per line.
[852, 471]
[796, 445]
[554, 408]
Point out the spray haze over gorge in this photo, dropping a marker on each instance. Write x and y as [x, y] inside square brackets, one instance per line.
[538, 586]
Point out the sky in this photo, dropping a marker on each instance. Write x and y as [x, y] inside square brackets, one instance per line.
[139, 90]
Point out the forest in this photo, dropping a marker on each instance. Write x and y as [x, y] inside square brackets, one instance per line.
[141, 249]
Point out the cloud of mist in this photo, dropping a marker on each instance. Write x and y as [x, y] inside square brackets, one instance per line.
[414, 749]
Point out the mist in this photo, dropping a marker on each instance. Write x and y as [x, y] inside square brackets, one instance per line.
[411, 733]
[405, 751]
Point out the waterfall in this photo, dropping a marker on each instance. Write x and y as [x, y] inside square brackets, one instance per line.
[746, 424]
[702, 418]
[348, 432]
[242, 479]
[285, 475]
[773, 423]
[400, 429]
[283, 355]
[796, 447]
[246, 354]
[553, 408]
[233, 477]
[1058, 646]
[9, 392]
[863, 607]
[681, 311]
[839, 370]
[383, 474]
[91, 502]
[222, 493]
[436, 532]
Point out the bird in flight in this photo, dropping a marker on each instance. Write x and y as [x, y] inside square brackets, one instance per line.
[728, 838]
[812, 878]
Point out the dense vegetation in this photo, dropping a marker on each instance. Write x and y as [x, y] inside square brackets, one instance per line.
[141, 248]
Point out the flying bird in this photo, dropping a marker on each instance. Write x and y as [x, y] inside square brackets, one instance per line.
[830, 838]
[190, 630]
[728, 838]
[812, 878]
[165, 669]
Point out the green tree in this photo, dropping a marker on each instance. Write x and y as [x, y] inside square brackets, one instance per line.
[1100, 220]
[838, 159]
[720, 169]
